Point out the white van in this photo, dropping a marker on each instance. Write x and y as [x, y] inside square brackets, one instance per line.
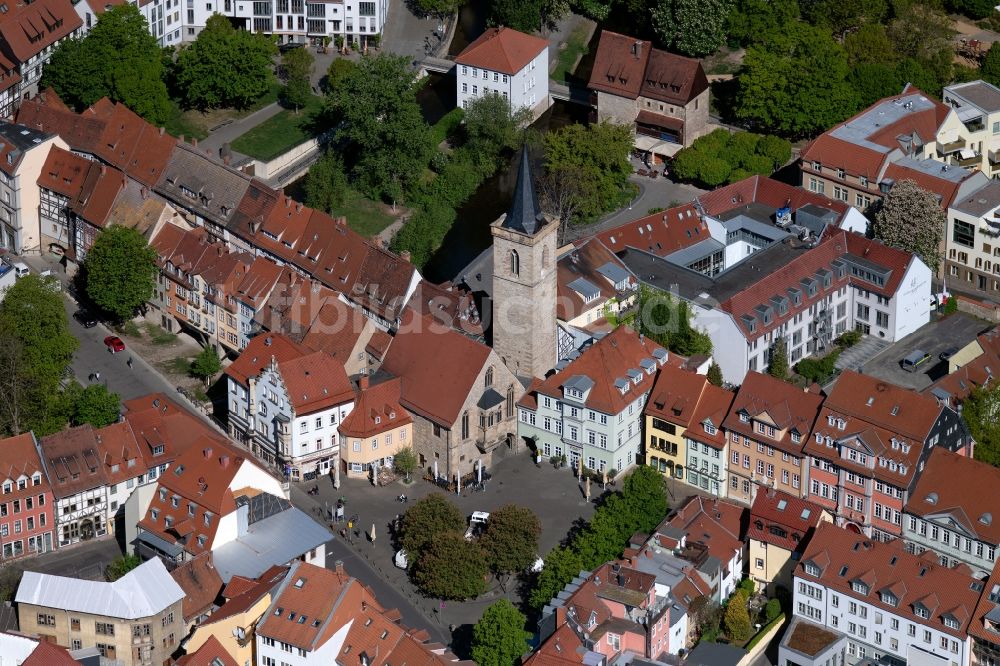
[20, 269]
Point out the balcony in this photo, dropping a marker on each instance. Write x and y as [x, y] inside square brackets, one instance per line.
[994, 157]
[972, 160]
[953, 147]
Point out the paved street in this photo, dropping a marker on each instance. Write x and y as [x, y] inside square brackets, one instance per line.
[92, 356]
[84, 560]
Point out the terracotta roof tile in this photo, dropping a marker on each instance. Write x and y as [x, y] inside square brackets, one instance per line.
[660, 233]
[211, 653]
[31, 28]
[958, 484]
[716, 524]
[315, 382]
[798, 518]
[835, 550]
[620, 64]
[20, 458]
[201, 584]
[380, 401]
[673, 78]
[431, 388]
[258, 354]
[73, 461]
[586, 261]
[80, 132]
[787, 406]
[684, 398]
[502, 50]
[762, 190]
[64, 172]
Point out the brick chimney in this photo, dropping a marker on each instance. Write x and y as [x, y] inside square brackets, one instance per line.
[363, 383]
[405, 256]
[207, 452]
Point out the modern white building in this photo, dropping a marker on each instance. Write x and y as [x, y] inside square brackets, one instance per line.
[23, 151]
[290, 21]
[894, 607]
[508, 63]
[823, 288]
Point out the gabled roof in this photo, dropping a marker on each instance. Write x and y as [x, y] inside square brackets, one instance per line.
[797, 516]
[337, 329]
[20, 459]
[195, 181]
[716, 524]
[143, 592]
[64, 172]
[901, 411]
[201, 584]
[48, 113]
[660, 233]
[620, 64]
[30, 28]
[434, 389]
[762, 190]
[259, 352]
[611, 363]
[687, 399]
[951, 485]
[673, 78]
[785, 405]
[15, 141]
[211, 653]
[502, 50]
[315, 382]
[73, 461]
[129, 143]
[592, 261]
[379, 402]
[844, 556]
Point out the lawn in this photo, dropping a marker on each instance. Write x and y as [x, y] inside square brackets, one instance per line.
[576, 46]
[197, 124]
[279, 133]
[365, 216]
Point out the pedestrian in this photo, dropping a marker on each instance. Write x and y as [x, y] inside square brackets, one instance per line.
[129, 362]
[97, 375]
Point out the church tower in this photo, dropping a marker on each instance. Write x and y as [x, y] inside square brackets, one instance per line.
[524, 282]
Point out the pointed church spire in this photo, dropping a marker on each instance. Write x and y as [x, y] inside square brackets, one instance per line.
[524, 215]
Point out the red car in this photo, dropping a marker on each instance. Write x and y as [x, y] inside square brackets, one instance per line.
[114, 344]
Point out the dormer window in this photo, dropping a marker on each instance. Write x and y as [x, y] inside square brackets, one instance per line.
[890, 599]
[796, 438]
[709, 428]
[744, 417]
[378, 420]
[921, 611]
[812, 569]
[951, 622]
[859, 587]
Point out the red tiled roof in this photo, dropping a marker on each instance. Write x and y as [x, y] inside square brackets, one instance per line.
[604, 363]
[48, 654]
[798, 518]
[314, 382]
[242, 593]
[449, 304]
[660, 233]
[585, 261]
[620, 64]
[80, 132]
[672, 78]
[32, 27]
[943, 187]
[432, 388]
[659, 120]
[200, 477]
[258, 282]
[201, 584]
[159, 424]
[73, 461]
[129, 143]
[502, 50]
[787, 406]
[687, 399]
[379, 344]
[119, 449]
[337, 330]
[989, 602]
[958, 483]
[380, 401]
[259, 352]
[844, 556]
[872, 250]
[762, 190]
[717, 524]
[64, 172]
[211, 653]
[98, 195]
[20, 458]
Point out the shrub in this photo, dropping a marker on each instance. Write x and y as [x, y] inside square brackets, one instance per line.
[951, 305]
[772, 609]
[737, 618]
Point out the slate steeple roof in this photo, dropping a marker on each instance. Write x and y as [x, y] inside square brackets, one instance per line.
[525, 215]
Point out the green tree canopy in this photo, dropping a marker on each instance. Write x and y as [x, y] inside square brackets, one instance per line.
[438, 8]
[381, 121]
[337, 71]
[981, 413]
[297, 66]
[990, 69]
[714, 374]
[720, 156]
[120, 566]
[561, 565]
[692, 27]
[870, 44]
[118, 59]
[794, 82]
[596, 157]
[645, 495]
[427, 521]
[510, 541]
[493, 129]
[779, 360]
[206, 365]
[326, 183]
[120, 271]
[225, 67]
[843, 17]
[405, 462]
[737, 619]
[449, 567]
[749, 19]
[499, 638]
[32, 313]
[910, 218]
[97, 406]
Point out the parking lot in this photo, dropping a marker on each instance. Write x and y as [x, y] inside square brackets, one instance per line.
[956, 330]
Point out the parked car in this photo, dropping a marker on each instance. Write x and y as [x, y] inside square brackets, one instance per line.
[20, 269]
[948, 353]
[86, 319]
[477, 523]
[915, 359]
[400, 559]
[114, 344]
